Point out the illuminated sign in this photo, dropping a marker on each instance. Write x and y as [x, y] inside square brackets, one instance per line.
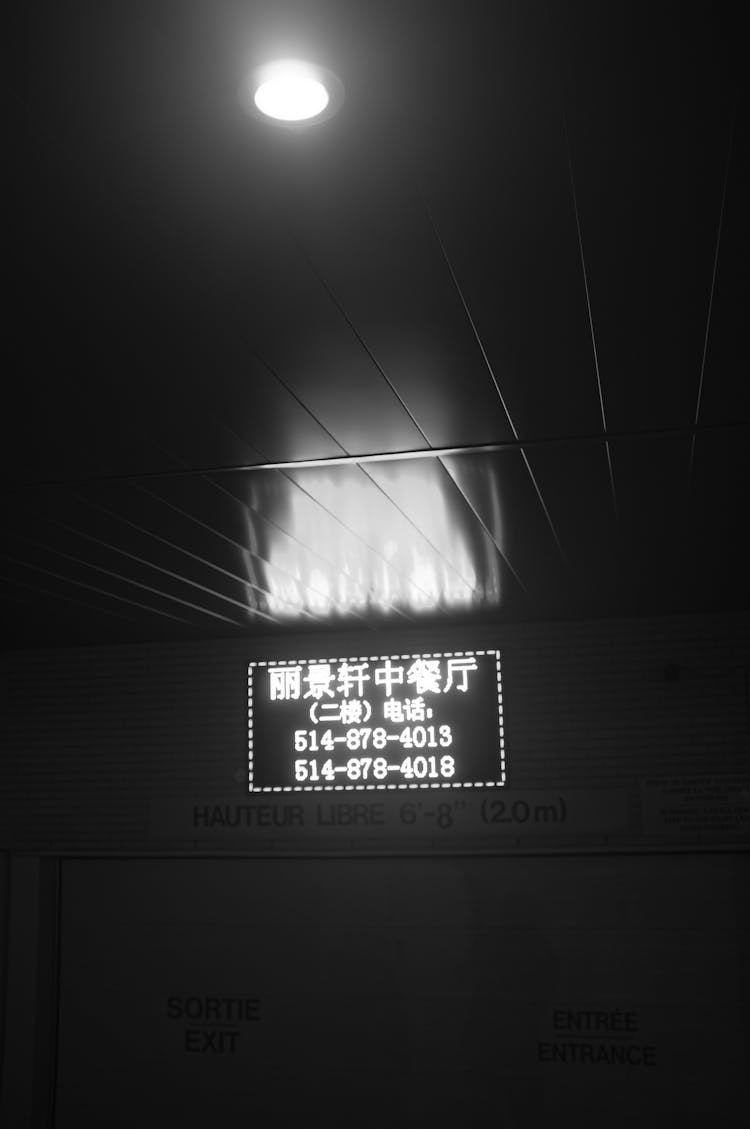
[380, 721]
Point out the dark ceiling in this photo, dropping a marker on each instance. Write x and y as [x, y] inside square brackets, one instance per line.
[516, 246]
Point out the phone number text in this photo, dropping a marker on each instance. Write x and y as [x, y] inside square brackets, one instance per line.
[376, 768]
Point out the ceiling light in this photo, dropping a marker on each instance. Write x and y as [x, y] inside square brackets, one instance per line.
[292, 92]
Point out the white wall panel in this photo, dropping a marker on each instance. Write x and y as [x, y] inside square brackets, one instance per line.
[636, 731]
[403, 992]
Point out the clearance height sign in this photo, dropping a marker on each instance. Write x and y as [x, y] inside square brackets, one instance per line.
[381, 722]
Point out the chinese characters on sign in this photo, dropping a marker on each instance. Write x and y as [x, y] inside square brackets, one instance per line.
[392, 721]
[325, 679]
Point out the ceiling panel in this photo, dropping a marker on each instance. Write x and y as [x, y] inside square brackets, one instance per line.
[469, 350]
[380, 259]
[574, 481]
[74, 577]
[515, 257]
[413, 559]
[724, 392]
[650, 104]
[718, 544]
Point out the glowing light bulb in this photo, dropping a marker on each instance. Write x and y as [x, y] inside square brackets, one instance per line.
[291, 91]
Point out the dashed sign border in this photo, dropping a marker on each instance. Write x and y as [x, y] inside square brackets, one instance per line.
[371, 787]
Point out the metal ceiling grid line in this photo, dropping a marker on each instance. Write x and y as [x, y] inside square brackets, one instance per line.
[212, 530]
[467, 311]
[133, 478]
[247, 608]
[306, 257]
[486, 529]
[243, 581]
[268, 521]
[307, 548]
[358, 537]
[319, 278]
[199, 291]
[236, 544]
[254, 611]
[220, 423]
[330, 563]
[290, 391]
[128, 580]
[253, 352]
[316, 420]
[194, 284]
[109, 595]
[237, 501]
[599, 389]
[490, 370]
[329, 291]
[396, 610]
[49, 592]
[709, 311]
[414, 526]
[227, 427]
[367, 545]
[166, 571]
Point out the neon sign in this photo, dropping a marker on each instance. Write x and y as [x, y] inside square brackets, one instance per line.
[383, 722]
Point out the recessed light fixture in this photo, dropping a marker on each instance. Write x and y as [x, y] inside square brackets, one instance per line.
[292, 92]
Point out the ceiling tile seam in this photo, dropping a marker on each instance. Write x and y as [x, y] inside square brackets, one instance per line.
[244, 548]
[352, 533]
[158, 568]
[712, 290]
[227, 427]
[218, 422]
[587, 293]
[334, 299]
[221, 422]
[93, 588]
[253, 611]
[134, 478]
[228, 493]
[318, 276]
[396, 610]
[297, 399]
[358, 537]
[242, 580]
[416, 528]
[49, 593]
[560, 86]
[481, 522]
[469, 317]
[307, 548]
[475, 513]
[194, 283]
[252, 349]
[491, 372]
[128, 580]
[217, 486]
[419, 531]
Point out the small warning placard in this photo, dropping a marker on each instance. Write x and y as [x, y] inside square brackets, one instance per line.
[697, 806]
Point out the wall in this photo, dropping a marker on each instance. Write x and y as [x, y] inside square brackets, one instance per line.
[512, 992]
[117, 749]
[578, 941]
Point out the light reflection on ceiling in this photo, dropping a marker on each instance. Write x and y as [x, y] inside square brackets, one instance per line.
[385, 539]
